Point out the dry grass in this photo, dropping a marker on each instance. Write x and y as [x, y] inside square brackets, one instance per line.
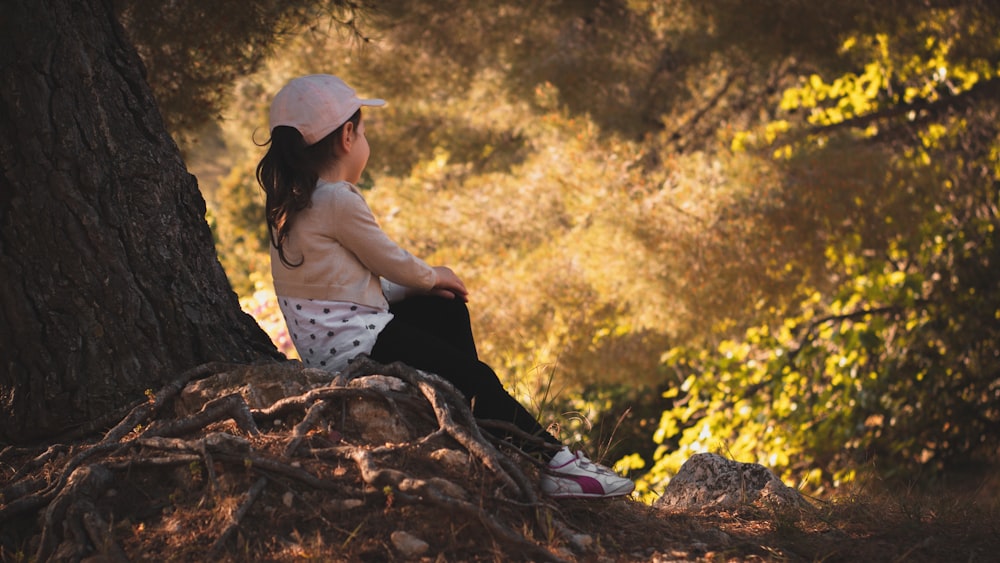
[176, 514]
[191, 504]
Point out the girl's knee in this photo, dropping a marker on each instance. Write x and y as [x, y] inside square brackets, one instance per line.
[441, 309]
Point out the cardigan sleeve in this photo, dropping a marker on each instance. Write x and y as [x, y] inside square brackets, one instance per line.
[359, 232]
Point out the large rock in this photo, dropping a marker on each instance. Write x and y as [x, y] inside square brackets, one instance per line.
[712, 481]
[377, 422]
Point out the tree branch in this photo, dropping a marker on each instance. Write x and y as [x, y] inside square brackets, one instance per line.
[985, 90]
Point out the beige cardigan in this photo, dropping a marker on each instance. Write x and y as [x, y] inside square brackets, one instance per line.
[344, 252]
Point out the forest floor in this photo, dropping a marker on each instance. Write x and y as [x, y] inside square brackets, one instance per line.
[164, 523]
[223, 488]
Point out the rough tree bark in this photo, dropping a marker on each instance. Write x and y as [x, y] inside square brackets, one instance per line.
[110, 282]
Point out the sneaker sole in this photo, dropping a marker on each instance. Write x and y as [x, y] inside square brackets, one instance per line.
[612, 494]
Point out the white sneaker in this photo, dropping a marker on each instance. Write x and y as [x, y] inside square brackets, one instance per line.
[574, 476]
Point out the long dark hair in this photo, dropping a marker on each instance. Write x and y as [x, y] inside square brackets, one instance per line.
[288, 174]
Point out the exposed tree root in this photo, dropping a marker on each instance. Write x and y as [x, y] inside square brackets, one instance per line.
[419, 490]
[252, 494]
[466, 432]
[38, 461]
[226, 438]
[145, 412]
[98, 531]
[312, 418]
[66, 510]
[229, 407]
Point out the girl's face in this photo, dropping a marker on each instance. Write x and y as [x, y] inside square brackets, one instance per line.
[356, 158]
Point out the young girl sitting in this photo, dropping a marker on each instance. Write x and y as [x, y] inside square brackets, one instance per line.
[345, 288]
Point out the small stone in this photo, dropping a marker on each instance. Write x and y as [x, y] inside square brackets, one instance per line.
[408, 545]
[581, 542]
[451, 459]
[228, 442]
[342, 505]
[382, 383]
[447, 487]
[378, 425]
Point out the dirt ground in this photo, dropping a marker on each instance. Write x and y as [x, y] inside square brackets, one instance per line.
[223, 490]
[178, 513]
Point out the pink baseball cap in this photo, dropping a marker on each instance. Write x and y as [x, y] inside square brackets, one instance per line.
[316, 105]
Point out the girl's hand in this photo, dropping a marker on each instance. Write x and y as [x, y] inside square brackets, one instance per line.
[449, 285]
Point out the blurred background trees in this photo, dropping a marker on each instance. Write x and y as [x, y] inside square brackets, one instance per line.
[767, 229]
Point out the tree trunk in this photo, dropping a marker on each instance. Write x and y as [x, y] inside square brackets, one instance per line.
[110, 281]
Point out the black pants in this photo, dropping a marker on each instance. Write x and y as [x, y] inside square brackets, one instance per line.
[435, 334]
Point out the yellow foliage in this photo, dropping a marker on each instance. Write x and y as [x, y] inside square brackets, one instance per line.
[596, 259]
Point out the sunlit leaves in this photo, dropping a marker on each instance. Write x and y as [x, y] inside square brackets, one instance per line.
[893, 76]
[891, 365]
[792, 400]
[793, 232]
